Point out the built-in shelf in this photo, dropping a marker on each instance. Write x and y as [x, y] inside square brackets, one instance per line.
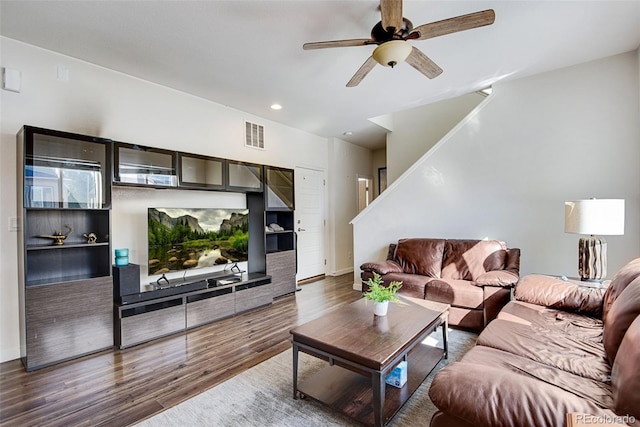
[65, 189]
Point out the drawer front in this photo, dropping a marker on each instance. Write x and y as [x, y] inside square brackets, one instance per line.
[247, 299]
[210, 309]
[147, 326]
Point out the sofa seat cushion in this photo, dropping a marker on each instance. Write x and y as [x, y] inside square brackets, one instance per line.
[597, 392]
[469, 259]
[420, 256]
[461, 293]
[413, 285]
[491, 396]
[549, 345]
[532, 314]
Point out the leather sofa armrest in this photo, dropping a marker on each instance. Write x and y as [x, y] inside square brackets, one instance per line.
[554, 292]
[484, 395]
[513, 261]
[502, 278]
[381, 267]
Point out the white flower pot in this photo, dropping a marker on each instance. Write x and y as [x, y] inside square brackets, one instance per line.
[380, 308]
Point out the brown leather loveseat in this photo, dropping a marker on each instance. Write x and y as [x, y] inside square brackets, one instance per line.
[474, 276]
[559, 348]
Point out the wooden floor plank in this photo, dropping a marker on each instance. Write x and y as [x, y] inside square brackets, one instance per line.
[123, 387]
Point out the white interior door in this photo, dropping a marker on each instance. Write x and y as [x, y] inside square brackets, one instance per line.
[310, 222]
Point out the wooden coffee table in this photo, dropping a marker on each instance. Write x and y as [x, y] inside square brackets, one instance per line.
[362, 349]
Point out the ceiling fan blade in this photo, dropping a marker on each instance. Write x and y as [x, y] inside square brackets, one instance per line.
[423, 63]
[453, 25]
[391, 11]
[338, 43]
[362, 72]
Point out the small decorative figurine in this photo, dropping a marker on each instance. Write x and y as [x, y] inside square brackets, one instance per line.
[58, 237]
[91, 237]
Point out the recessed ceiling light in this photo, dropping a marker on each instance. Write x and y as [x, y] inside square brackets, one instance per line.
[276, 107]
[347, 133]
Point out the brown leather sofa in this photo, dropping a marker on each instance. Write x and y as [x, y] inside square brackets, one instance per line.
[559, 348]
[474, 276]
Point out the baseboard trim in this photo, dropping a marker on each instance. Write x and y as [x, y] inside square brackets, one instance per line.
[341, 272]
[311, 279]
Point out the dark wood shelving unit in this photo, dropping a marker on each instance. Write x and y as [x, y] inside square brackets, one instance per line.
[65, 290]
[280, 244]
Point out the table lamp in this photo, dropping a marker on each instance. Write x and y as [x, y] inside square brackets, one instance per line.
[593, 217]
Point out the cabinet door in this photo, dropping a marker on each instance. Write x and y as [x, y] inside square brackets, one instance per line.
[67, 320]
[279, 191]
[281, 266]
[63, 170]
[201, 172]
[144, 166]
[244, 176]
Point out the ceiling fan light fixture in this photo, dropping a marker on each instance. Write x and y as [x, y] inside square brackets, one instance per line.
[391, 53]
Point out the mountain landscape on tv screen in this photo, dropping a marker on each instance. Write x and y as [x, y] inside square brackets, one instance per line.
[181, 239]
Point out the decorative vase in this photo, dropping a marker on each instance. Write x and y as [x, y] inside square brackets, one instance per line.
[380, 308]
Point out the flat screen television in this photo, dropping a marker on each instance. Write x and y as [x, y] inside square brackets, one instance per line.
[188, 238]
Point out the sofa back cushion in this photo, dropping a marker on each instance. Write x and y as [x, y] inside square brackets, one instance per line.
[391, 252]
[620, 281]
[420, 256]
[468, 259]
[625, 373]
[622, 313]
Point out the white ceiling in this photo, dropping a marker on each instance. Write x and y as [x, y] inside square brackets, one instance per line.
[248, 54]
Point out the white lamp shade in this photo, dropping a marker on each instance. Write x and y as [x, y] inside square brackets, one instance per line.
[603, 217]
[392, 52]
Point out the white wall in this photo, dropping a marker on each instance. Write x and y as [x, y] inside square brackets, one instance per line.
[415, 131]
[348, 161]
[101, 102]
[506, 171]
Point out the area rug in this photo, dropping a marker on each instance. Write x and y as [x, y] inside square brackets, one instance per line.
[262, 396]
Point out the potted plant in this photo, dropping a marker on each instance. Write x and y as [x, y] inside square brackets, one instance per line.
[380, 294]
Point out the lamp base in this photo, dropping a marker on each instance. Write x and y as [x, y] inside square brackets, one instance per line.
[592, 259]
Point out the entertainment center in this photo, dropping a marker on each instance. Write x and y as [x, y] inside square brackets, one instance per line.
[188, 303]
[73, 301]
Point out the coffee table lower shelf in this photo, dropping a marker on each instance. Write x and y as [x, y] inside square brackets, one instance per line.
[351, 393]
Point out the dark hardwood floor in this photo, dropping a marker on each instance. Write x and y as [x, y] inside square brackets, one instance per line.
[122, 387]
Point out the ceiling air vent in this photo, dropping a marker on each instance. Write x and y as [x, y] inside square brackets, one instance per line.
[253, 135]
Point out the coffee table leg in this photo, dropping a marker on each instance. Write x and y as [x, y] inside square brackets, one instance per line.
[378, 384]
[445, 337]
[295, 370]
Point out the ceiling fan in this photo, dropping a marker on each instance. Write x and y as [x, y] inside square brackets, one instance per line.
[392, 35]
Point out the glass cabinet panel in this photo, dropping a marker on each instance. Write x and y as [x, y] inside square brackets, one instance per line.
[279, 189]
[145, 166]
[199, 171]
[65, 173]
[244, 176]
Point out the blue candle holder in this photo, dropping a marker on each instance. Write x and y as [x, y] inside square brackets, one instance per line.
[122, 257]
